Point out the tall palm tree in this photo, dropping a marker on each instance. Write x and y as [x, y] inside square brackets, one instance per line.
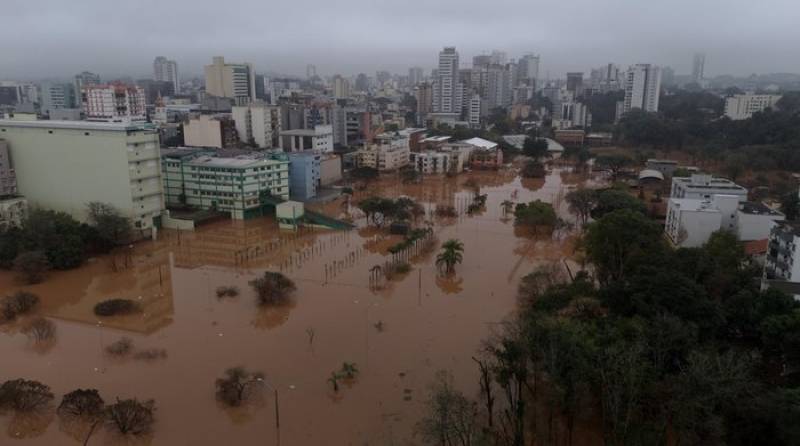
[451, 255]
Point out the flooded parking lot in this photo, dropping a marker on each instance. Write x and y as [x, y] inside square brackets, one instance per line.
[399, 334]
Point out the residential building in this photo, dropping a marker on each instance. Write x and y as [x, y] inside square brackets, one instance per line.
[330, 169]
[698, 68]
[570, 138]
[13, 212]
[424, 95]
[217, 131]
[203, 180]
[484, 154]
[782, 251]
[528, 70]
[389, 151]
[64, 165]
[57, 96]
[606, 78]
[704, 187]
[165, 70]
[341, 87]
[690, 222]
[742, 106]
[305, 174]
[234, 81]
[84, 79]
[642, 88]
[431, 162]
[447, 90]
[575, 83]
[311, 71]
[754, 221]
[474, 111]
[8, 179]
[116, 102]
[498, 91]
[258, 124]
[318, 139]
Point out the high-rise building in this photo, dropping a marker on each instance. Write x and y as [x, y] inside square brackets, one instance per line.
[528, 69]
[57, 96]
[116, 102]
[258, 124]
[642, 88]
[383, 77]
[341, 87]
[698, 67]
[165, 70]
[575, 83]
[63, 165]
[447, 90]
[499, 57]
[742, 106]
[424, 95]
[83, 79]
[362, 82]
[311, 71]
[415, 75]
[498, 92]
[235, 81]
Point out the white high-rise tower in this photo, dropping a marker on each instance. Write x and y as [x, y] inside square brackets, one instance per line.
[447, 90]
[642, 88]
[166, 70]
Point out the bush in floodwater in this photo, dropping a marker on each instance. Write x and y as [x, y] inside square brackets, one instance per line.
[22, 395]
[132, 417]
[40, 330]
[151, 354]
[116, 307]
[17, 304]
[82, 403]
[122, 347]
[227, 291]
[273, 288]
[237, 385]
[446, 211]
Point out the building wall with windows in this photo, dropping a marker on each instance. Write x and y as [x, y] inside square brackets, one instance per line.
[742, 106]
[64, 165]
[201, 180]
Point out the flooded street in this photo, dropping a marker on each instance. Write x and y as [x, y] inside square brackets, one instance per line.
[398, 336]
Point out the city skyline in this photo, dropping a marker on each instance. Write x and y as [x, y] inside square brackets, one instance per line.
[399, 38]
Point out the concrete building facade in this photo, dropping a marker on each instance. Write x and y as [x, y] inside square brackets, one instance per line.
[217, 131]
[8, 178]
[259, 124]
[318, 139]
[642, 88]
[116, 102]
[165, 70]
[704, 187]
[235, 81]
[742, 106]
[64, 165]
[305, 174]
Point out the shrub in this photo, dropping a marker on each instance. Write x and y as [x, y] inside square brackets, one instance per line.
[236, 386]
[273, 288]
[151, 354]
[18, 303]
[23, 395]
[31, 266]
[116, 307]
[40, 330]
[82, 403]
[227, 291]
[122, 347]
[131, 417]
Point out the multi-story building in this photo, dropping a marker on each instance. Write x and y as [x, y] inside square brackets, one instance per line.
[165, 70]
[116, 102]
[642, 88]
[200, 179]
[389, 151]
[424, 95]
[690, 222]
[704, 187]
[498, 91]
[258, 124]
[319, 139]
[474, 111]
[698, 68]
[57, 96]
[447, 90]
[484, 154]
[13, 212]
[575, 83]
[235, 81]
[8, 179]
[84, 79]
[217, 131]
[430, 162]
[606, 78]
[341, 87]
[742, 106]
[305, 174]
[528, 70]
[64, 165]
[415, 76]
[782, 263]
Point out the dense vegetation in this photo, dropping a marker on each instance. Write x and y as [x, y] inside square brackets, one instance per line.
[656, 345]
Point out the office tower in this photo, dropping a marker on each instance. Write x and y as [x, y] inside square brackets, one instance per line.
[424, 95]
[235, 81]
[415, 75]
[498, 92]
[698, 67]
[642, 88]
[165, 70]
[83, 79]
[447, 91]
[116, 102]
[575, 83]
[63, 165]
[362, 82]
[311, 71]
[498, 57]
[341, 87]
[57, 96]
[528, 69]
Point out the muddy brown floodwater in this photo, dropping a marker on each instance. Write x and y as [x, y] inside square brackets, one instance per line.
[398, 336]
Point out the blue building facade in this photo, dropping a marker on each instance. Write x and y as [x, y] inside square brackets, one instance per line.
[304, 174]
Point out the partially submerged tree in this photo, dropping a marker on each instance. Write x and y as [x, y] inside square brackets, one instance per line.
[122, 347]
[451, 255]
[18, 304]
[451, 419]
[31, 266]
[85, 403]
[22, 395]
[40, 330]
[237, 385]
[116, 307]
[581, 202]
[273, 288]
[131, 416]
[349, 370]
[112, 227]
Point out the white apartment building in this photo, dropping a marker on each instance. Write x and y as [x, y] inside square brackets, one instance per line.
[114, 103]
[783, 253]
[447, 90]
[430, 162]
[319, 139]
[258, 123]
[56, 96]
[642, 88]
[341, 87]
[704, 187]
[390, 151]
[235, 81]
[64, 165]
[166, 70]
[742, 106]
[198, 178]
[528, 69]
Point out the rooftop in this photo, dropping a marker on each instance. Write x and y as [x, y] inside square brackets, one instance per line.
[79, 125]
[481, 143]
[693, 205]
[241, 162]
[754, 208]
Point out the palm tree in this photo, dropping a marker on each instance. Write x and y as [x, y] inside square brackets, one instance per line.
[334, 379]
[349, 370]
[451, 255]
[508, 206]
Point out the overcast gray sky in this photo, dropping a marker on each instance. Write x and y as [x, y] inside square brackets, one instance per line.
[57, 38]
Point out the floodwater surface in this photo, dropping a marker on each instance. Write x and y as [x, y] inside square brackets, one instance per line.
[398, 336]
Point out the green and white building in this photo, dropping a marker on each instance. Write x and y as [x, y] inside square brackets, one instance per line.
[64, 165]
[201, 179]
